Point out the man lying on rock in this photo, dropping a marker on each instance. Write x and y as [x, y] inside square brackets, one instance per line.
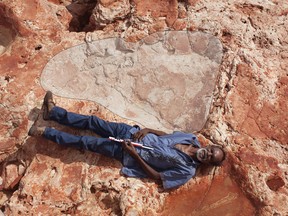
[173, 158]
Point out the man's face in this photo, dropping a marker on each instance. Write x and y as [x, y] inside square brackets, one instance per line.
[210, 154]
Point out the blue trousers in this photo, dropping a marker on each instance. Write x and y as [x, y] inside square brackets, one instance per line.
[103, 128]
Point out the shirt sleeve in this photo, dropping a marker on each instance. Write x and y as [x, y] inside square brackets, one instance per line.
[131, 167]
[184, 138]
[134, 172]
[176, 177]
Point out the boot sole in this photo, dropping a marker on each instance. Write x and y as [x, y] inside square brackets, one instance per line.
[47, 97]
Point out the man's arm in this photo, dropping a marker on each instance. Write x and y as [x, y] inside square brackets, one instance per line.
[148, 169]
[142, 133]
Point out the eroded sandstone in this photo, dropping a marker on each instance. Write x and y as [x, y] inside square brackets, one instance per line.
[248, 116]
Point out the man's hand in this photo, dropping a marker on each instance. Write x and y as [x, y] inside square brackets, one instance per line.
[141, 134]
[138, 136]
[127, 146]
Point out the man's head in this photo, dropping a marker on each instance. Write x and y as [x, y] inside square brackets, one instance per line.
[213, 155]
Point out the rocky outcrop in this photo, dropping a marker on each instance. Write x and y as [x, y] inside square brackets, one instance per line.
[248, 114]
[162, 82]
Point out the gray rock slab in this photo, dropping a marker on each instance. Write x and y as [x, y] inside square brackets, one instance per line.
[164, 81]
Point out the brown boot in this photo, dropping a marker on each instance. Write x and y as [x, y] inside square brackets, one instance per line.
[36, 131]
[48, 104]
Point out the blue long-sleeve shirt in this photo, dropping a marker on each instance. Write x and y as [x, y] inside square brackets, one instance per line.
[175, 167]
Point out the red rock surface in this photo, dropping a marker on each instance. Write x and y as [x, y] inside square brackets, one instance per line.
[248, 117]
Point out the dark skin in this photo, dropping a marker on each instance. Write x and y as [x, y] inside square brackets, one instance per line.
[148, 169]
[142, 133]
[208, 155]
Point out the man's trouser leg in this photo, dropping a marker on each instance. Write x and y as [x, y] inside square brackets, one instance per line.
[93, 123]
[102, 146]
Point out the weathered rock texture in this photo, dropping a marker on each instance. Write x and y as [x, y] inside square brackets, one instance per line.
[165, 81]
[248, 115]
